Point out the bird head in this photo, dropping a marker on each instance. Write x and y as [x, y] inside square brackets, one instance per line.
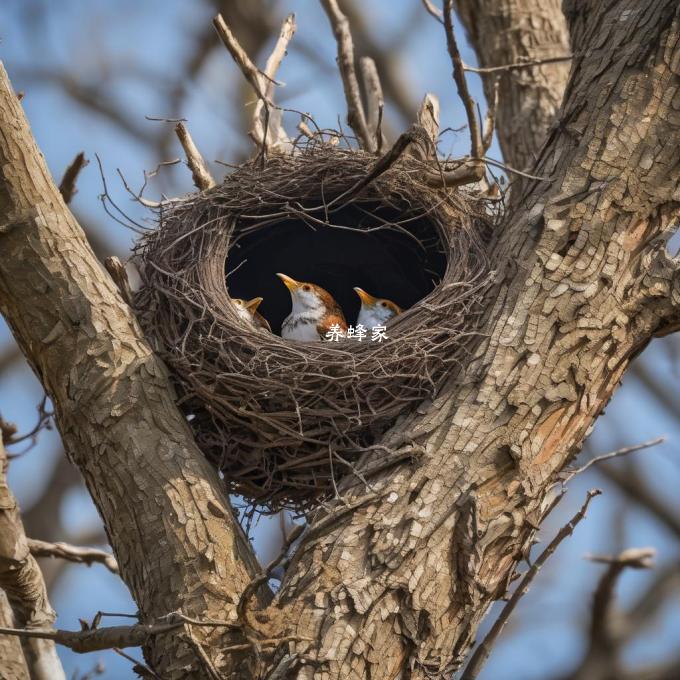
[307, 297]
[379, 310]
[246, 308]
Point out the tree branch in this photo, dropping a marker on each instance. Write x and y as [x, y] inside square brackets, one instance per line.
[73, 553]
[114, 407]
[22, 581]
[199, 170]
[355, 109]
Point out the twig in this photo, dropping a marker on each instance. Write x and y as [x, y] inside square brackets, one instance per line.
[199, 170]
[267, 126]
[624, 451]
[490, 120]
[633, 558]
[476, 149]
[97, 639]
[67, 186]
[433, 10]
[251, 73]
[73, 553]
[139, 667]
[160, 119]
[515, 66]
[265, 575]
[44, 422]
[355, 109]
[482, 652]
[375, 100]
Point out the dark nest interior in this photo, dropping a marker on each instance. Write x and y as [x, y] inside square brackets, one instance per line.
[284, 420]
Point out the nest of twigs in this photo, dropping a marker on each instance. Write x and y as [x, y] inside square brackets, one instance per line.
[283, 421]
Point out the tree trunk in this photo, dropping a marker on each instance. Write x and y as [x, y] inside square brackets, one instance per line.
[392, 582]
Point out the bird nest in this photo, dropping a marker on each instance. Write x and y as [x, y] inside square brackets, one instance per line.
[282, 420]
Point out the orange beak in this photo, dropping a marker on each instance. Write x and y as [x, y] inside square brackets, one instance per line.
[366, 298]
[253, 304]
[289, 282]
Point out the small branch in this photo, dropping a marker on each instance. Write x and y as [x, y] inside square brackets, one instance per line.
[67, 186]
[516, 66]
[633, 558]
[482, 652]
[73, 553]
[490, 120]
[199, 170]
[433, 10]
[97, 639]
[476, 149]
[624, 451]
[267, 128]
[251, 73]
[355, 109]
[375, 101]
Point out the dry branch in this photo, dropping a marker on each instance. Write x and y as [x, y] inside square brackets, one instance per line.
[481, 654]
[375, 101]
[517, 66]
[67, 186]
[476, 147]
[355, 108]
[199, 170]
[73, 553]
[22, 581]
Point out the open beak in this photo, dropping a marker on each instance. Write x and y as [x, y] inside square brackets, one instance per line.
[366, 299]
[290, 283]
[253, 304]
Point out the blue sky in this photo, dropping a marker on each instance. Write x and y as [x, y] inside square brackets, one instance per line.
[152, 39]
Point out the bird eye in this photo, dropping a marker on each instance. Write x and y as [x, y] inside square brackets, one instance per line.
[306, 287]
[383, 304]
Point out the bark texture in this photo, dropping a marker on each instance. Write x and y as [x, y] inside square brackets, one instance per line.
[509, 32]
[169, 523]
[397, 587]
[23, 584]
[12, 661]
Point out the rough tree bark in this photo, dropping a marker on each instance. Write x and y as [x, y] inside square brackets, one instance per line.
[395, 583]
[164, 509]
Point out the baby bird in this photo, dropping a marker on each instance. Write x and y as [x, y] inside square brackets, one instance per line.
[375, 311]
[247, 310]
[314, 312]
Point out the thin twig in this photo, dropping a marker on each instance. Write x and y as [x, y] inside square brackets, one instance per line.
[97, 639]
[490, 120]
[73, 553]
[614, 454]
[633, 558]
[199, 170]
[251, 73]
[476, 149]
[375, 100]
[267, 128]
[67, 186]
[483, 651]
[515, 66]
[355, 109]
[433, 10]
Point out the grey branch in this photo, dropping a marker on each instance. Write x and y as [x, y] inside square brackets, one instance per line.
[73, 553]
[355, 109]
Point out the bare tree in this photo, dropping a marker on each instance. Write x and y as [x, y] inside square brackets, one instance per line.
[391, 583]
